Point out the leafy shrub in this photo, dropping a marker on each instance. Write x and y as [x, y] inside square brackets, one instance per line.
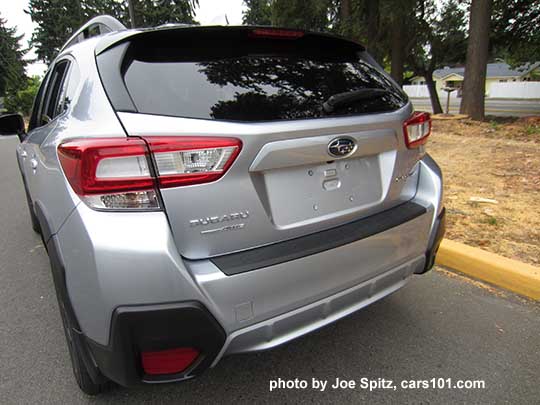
[22, 100]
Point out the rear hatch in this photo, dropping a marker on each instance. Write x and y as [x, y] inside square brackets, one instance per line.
[320, 126]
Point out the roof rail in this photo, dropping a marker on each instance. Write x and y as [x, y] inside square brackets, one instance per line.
[96, 26]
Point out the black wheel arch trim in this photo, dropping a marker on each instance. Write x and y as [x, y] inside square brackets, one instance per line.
[41, 214]
[59, 279]
[29, 201]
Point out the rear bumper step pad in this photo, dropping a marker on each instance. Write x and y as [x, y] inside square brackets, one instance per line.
[236, 263]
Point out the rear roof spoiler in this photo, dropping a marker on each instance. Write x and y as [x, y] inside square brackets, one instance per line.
[105, 24]
[112, 40]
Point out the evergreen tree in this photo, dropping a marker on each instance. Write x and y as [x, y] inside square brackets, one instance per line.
[151, 13]
[302, 14]
[314, 15]
[12, 63]
[57, 19]
[515, 32]
[21, 101]
[258, 12]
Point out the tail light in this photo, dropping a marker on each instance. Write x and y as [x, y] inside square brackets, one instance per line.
[171, 361]
[417, 129]
[183, 161]
[117, 173]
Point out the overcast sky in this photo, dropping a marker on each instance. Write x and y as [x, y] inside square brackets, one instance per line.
[209, 12]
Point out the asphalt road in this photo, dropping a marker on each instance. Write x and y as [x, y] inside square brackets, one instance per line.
[437, 326]
[499, 107]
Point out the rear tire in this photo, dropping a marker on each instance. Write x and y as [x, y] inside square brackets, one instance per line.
[83, 378]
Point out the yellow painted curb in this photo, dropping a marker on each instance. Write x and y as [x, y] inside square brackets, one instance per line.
[512, 275]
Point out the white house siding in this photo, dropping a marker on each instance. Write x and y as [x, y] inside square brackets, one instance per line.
[519, 90]
[514, 90]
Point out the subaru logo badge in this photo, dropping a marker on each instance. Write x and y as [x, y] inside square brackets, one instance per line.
[341, 147]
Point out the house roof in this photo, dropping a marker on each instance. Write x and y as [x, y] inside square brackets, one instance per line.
[447, 76]
[493, 70]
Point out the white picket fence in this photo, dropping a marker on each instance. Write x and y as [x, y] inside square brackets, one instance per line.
[520, 90]
[513, 90]
[421, 91]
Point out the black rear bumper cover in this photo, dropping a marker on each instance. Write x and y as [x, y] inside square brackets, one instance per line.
[157, 327]
[438, 234]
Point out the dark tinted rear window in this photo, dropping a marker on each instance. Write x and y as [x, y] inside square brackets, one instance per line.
[253, 79]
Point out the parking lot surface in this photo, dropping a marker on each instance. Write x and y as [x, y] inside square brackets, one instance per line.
[438, 326]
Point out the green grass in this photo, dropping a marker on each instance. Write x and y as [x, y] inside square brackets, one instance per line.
[491, 221]
[494, 125]
[532, 129]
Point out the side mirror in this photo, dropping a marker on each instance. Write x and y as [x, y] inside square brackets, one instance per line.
[12, 124]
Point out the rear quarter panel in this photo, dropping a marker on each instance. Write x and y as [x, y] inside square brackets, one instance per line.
[88, 115]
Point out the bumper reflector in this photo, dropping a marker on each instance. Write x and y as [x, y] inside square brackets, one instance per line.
[171, 361]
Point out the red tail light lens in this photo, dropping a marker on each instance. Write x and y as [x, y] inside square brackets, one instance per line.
[417, 129]
[95, 166]
[168, 361]
[115, 173]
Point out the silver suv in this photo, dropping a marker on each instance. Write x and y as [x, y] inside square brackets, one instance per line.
[203, 191]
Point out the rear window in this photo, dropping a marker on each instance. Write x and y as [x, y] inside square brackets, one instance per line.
[241, 78]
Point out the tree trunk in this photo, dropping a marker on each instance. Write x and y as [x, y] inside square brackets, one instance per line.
[398, 50]
[373, 15]
[433, 95]
[132, 7]
[79, 20]
[474, 84]
[345, 9]
[345, 17]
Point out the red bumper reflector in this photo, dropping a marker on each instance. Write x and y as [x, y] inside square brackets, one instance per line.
[171, 361]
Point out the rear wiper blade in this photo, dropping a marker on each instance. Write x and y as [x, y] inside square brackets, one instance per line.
[348, 97]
